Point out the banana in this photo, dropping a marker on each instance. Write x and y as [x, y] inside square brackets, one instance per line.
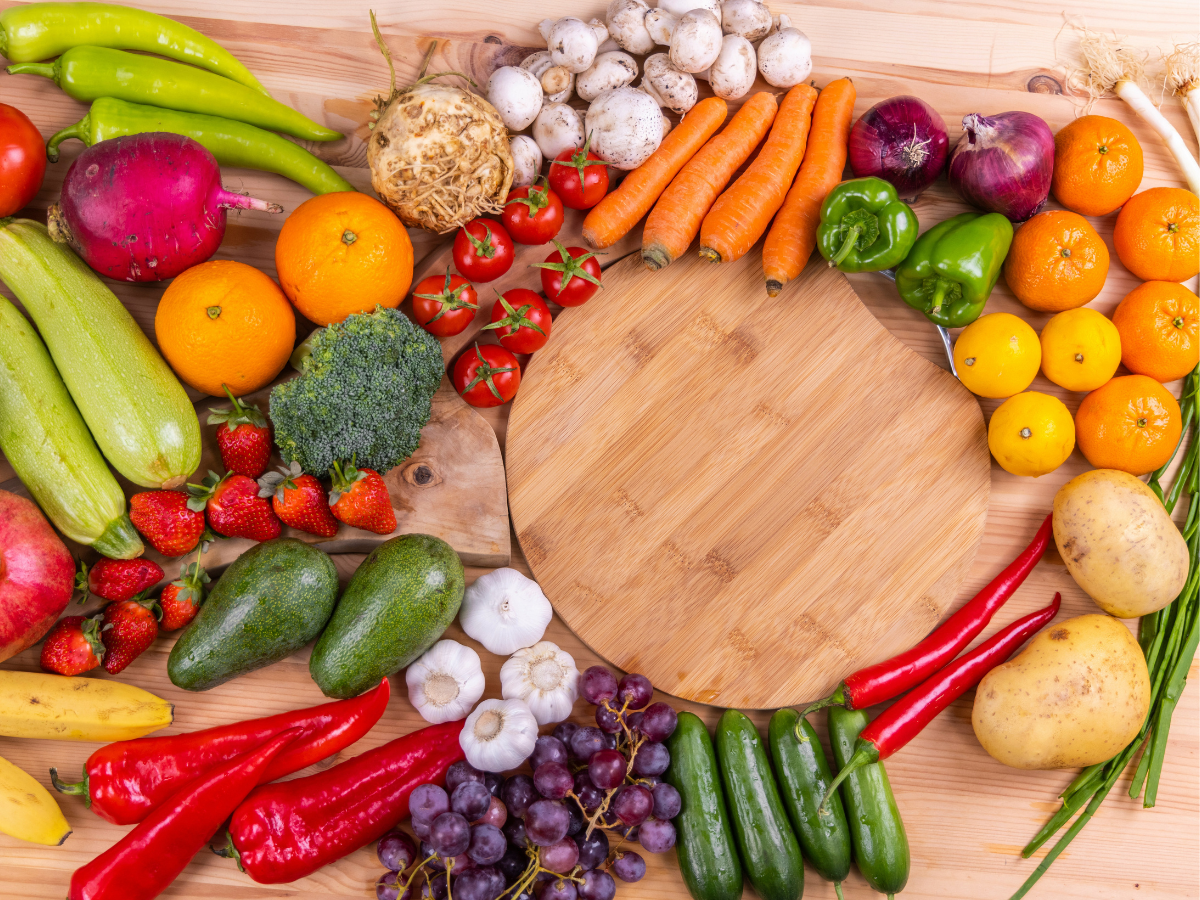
[35, 705]
[27, 811]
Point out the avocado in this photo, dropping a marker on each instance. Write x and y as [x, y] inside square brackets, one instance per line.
[273, 599]
[397, 604]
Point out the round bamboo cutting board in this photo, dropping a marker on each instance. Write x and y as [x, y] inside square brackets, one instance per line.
[743, 497]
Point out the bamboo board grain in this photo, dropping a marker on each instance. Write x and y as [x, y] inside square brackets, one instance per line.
[965, 814]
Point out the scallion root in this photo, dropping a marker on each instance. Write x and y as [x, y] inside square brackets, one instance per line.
[1183, 78]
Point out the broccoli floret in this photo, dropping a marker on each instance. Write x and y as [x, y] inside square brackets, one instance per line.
[363, 394]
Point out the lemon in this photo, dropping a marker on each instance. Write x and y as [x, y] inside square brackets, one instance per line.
[1031, 434]
[1081, 349]
[997, 355]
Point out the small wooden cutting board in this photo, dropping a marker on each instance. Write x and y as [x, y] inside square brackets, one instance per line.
[745, 498]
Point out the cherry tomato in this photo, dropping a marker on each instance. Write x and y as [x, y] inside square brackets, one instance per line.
[579, 177]
[487, 375]
[445, 307]
[532, 215]
[483, 251]
[22, 160]
[570, 275]
[521, 320]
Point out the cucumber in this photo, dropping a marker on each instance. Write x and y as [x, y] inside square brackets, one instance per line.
[131, 400]
[769, 848]
[273, 599]
[876, 831]
[51, 450]
[398, 603]
[708, 858]
[803, 777]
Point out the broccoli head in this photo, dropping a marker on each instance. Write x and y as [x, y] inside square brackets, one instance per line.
[363, 393]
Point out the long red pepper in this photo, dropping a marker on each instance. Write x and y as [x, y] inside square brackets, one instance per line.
[905, 719]
[286, 831]
[893, 677]
[125, 781]
[144, 862]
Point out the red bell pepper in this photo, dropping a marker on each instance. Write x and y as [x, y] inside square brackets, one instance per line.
[286, 831]
[125, 781]
[143, 864]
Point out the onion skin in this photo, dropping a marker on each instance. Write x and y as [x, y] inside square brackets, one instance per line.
[1004, 163]
[901, 140]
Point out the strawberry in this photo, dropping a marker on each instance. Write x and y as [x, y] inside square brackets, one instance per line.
[165, 521]
[359, 497]
[129, 628]
[73, 646]
[180, 600]
[117, 579]
[245, 441]
[299, 500]
[234, 507]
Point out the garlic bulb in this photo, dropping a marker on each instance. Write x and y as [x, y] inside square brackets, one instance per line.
[505, 611]
[544, 677]
[445, 682]
[499, 735]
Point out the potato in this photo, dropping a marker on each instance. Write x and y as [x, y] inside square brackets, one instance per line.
[1075, 696]
[1119, 544]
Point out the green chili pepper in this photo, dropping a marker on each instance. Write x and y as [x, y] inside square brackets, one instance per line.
[951, 270]
[89, 73]
[232, 143]
[865, 227]
[36, 31]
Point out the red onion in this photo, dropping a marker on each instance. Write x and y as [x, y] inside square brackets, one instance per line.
[901, 140]
[1003, 163]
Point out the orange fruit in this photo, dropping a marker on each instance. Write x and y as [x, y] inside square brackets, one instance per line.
[1057, 262]
[1131, 424]
[1157, 235]
[343, 253]
[1097, 165]
[225, 323]
[1159, 326]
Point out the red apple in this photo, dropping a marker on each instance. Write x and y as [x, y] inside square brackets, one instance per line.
[37, 575]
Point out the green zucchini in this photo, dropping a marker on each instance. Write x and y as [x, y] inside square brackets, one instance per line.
[708, 858]
[876, 831]
[51, 450]
[134, 405]
[803, 776]
[769, 848]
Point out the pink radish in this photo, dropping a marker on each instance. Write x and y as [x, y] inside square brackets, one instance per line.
[144, 207]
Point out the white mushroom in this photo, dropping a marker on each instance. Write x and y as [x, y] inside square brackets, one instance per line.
[609, 71]
[748, 18]
[696, 42]
[627, 25]
[557, 128]
[556, 81]
[572, 42]
[785, 57]
[682, 7]
[660, 26]
[732, 75]
[672, 88]
[625, 126]
[517, 96]
[527, 160]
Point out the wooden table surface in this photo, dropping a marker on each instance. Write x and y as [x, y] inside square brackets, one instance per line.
[967, 816]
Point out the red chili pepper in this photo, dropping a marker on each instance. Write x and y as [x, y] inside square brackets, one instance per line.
[287, 831]
[125, 781]
[893, 677]
[905, 719]
[144, 862]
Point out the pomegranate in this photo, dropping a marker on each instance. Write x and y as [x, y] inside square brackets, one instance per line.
[37, 574]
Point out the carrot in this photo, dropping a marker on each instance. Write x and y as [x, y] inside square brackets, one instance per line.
[793, 236]
[741, 214]
[614, 216]
[676, 218]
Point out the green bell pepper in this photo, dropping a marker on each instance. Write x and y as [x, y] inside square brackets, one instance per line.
[865, 226]
[953, 267]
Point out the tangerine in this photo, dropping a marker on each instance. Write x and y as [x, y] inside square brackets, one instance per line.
[1157, 235]
[1132, 424]
[343, 253]
[1159, 325]
[1057, 262]
[1097, 165]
